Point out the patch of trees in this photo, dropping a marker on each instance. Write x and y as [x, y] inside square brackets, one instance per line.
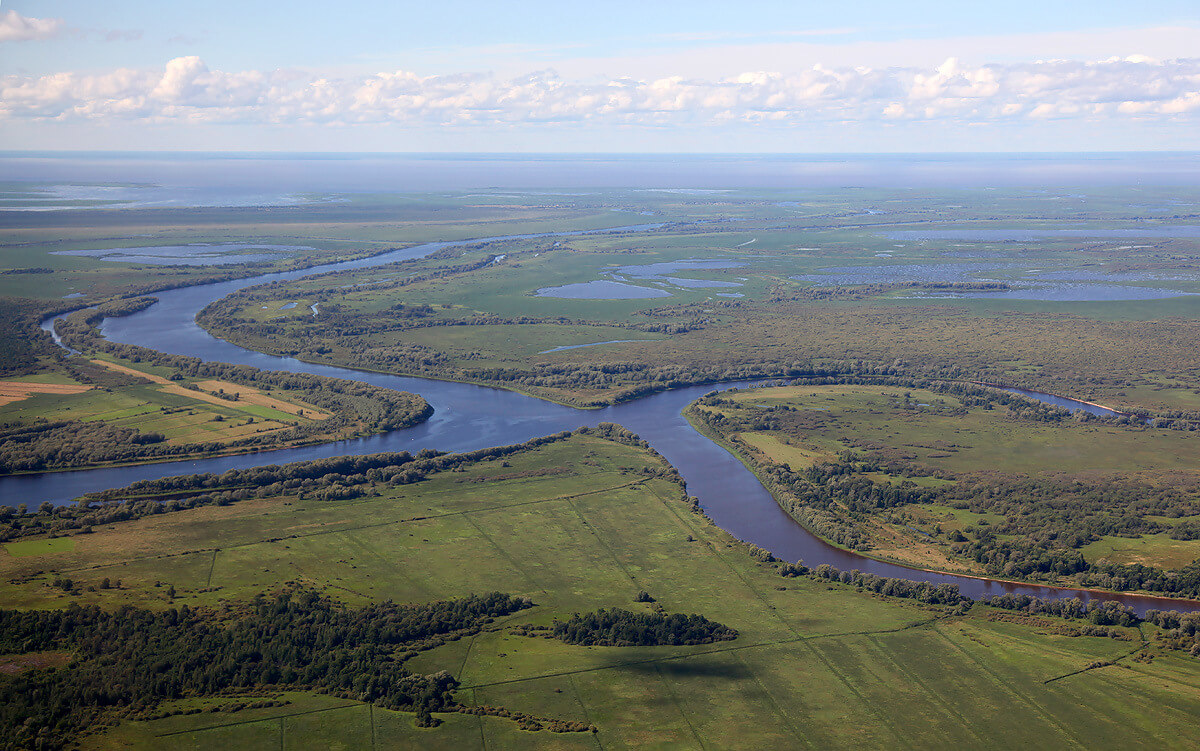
[126, 306]
[1181, 630]
[931, 594]
[614, 627]
[73, 443]
[125, 663]
[1045, 519]
[1098, 612]
[1184, 582]
[21, 340]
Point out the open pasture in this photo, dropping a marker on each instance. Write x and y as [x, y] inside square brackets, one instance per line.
[576, 526]
[214, 412]
[925, 427]
[981, 478]
[15, 391]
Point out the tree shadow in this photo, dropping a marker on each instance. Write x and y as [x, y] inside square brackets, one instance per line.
[701, 666]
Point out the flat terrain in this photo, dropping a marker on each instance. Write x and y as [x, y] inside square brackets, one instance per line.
[575, 525]
[742, 284]
[142, 399]
[990, 473]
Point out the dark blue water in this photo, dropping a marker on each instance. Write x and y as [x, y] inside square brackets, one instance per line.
[469, 417]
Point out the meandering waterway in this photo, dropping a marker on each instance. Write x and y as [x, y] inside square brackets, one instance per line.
[468, 417]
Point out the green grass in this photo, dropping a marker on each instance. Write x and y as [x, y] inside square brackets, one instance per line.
[980, 440]
[45, 547]
[815, 665]
[1153, 550]
[154, 408]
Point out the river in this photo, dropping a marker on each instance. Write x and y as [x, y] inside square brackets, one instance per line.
[468, 417]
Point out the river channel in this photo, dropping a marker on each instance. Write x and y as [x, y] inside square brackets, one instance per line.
[468, 417]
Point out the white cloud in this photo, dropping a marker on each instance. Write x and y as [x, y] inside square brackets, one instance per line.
[17, 28]
[187, 90]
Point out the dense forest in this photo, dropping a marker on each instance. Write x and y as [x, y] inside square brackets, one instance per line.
[21, 340]
[615, 627]
[125, 663]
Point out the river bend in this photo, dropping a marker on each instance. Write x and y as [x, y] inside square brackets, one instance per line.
[468, 417]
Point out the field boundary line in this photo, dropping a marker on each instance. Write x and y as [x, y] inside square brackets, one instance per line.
[600, 540]
[273, 718]
[1018, 696]
[1110, 664]
[685, 656]
[963, 722]
[863, 701]
[783, 717]
[488, 509]
[513, 561]
[211, 567]
[583, 705]
[733, 569]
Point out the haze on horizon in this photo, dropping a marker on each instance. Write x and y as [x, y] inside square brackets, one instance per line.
[620, 77]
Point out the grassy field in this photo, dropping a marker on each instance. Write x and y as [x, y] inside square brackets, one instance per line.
[217, 412]
[1134, 354]
[923, 427]
[575, 526]
[353, 226]
[929, 441]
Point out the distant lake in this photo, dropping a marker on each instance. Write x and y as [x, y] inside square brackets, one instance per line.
[601, 290]
[174, 180]
[1063, 285]
[1033, 235]
[199, 254]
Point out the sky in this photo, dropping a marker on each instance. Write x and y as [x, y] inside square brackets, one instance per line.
[615, 76]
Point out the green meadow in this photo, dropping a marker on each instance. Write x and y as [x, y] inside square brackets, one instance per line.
[575, 525]
[1132, 354]
[928, 440]
[925, 426]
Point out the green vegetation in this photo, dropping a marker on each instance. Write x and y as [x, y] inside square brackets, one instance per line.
[475, 313]
[125, 663]
[576, 525]
[967, 478]
[133, 404]
[621, 628]
[258, 608]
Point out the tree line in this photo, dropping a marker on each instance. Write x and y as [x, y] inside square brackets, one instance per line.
[125, 663]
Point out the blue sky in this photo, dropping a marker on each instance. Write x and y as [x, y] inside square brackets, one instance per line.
[613, 76]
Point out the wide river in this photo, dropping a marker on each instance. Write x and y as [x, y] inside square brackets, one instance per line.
[469, 417]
